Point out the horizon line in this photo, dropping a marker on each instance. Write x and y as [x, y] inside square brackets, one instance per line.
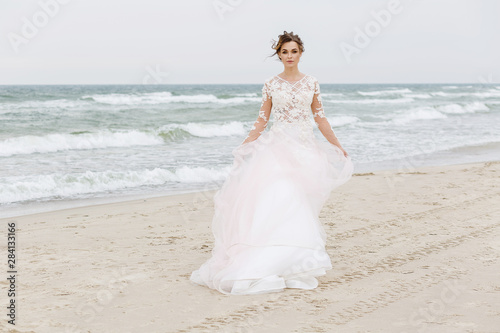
[167, 84]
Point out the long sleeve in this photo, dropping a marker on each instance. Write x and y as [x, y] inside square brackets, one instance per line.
[320, 117]
[264, 113]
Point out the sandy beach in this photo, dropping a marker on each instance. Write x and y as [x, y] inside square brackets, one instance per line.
[415, 250]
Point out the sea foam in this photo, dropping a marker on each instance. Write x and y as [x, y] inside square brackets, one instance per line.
[29, 144]
[16, 189]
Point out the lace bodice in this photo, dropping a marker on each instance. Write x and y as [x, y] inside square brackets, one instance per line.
[292, 103]
[292, 100]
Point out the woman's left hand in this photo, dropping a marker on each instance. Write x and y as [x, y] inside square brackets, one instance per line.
[345, 153]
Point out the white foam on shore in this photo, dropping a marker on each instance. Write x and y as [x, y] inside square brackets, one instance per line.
[468, 108]
[338, 121]
[44, 106]
[418, 114]
[167, 97]
[206, 129]
[429, 112]
[372, 101]
[385, 92]
[30, 144]
[22, 188]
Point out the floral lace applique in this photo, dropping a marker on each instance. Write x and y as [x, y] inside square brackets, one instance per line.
[291, 103]
[265, 110]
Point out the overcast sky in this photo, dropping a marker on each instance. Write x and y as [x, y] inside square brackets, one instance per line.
[229, 41]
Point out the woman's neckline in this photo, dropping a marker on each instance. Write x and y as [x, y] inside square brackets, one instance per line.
[292, 82]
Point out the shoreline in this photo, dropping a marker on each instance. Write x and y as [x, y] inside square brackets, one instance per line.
[39, 208]
[399, 240]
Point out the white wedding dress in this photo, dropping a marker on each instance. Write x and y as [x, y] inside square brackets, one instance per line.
[266, 227]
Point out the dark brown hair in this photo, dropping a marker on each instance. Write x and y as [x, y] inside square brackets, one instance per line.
[285, 38]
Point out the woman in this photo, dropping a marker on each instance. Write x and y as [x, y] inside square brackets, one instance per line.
[266, 227]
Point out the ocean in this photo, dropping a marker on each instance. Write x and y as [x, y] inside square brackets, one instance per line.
[71, 145]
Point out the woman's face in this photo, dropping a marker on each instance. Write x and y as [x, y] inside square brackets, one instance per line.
[290, 53]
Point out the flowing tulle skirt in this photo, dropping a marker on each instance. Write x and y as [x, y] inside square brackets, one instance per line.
[266, 227]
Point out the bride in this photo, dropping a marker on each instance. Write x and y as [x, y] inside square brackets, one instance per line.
[266, 227]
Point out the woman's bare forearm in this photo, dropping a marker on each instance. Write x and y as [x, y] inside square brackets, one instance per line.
[326, 130]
